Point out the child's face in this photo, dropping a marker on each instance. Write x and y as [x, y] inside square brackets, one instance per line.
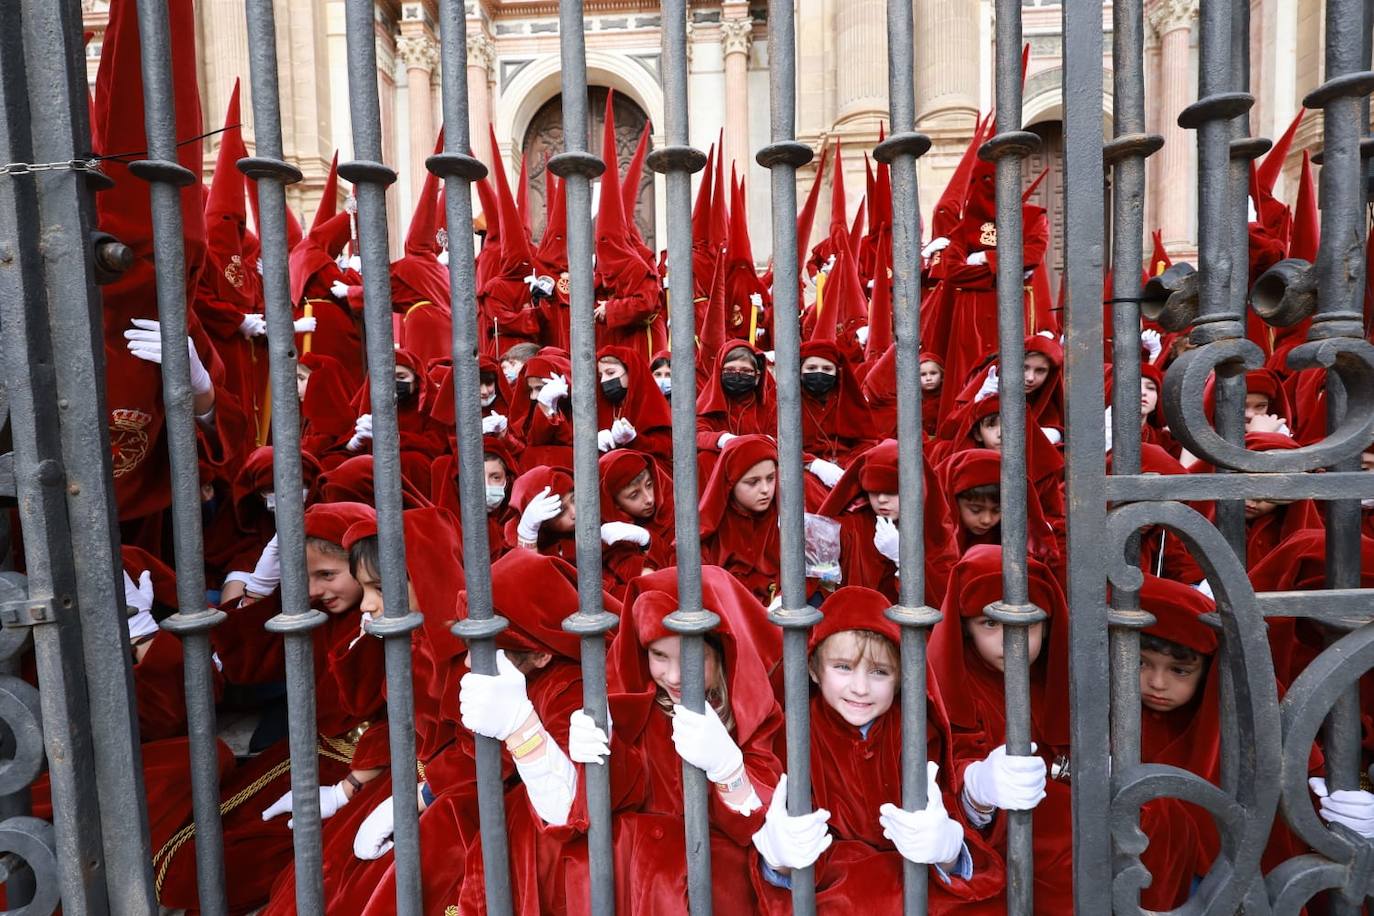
[884, 505]
[979, 515]
[988, 432]
[1149, 397]
[495, 471]
[564, 522]
[1166, 683]
[665, 665]
[664, 371]
[754, 491]
[372, 603]
[637, 498]
[986, 634]
[302, 380]
[859, 689]
[332, 589]
[931, 376]
[1035, 370]
[1258, 508]
[1256, 405]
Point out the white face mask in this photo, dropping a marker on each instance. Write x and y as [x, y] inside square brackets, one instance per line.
[511, 374]
[487, 402]
[494, 496]
[665, 385]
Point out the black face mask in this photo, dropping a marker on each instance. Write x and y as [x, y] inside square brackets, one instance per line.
[404, 390]
[614, 389]
[819, 383]
[738, 383]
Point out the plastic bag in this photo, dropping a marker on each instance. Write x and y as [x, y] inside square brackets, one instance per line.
[823, 549]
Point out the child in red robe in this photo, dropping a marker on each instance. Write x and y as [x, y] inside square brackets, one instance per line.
[637, 530]
[836, 425]
[631, 411]
[856, 749]
[544, 498]
[739, 514]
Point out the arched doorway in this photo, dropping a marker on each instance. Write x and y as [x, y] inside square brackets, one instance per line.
[544, 139]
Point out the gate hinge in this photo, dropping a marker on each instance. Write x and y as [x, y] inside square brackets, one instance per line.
[27, 612]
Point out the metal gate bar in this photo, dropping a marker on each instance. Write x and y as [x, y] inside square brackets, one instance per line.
[193, 620]
[297, 619]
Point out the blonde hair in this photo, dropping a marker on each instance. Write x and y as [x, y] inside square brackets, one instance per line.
[717, 693]
[868, 644]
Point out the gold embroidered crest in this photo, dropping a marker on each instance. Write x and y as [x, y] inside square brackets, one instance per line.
[987, 235]
[234, 272]
[736, 315]
[128, 439]
[564, 284]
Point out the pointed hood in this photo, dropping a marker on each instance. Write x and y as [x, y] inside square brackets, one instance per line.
[228, 277]
[420, 236]
[1306, 228]
[522, 197]
[951, 204]
[720, 220]
[329, 197]
[701, 209]
[1159, 256]
[515, 244]
[552, 254]
[807, 217]
[880, 306]
[1271, 166]
[620, 262]
[741, 279]
[226, 198]
[316, 253]
[125, 210]
[629, 188]
[837, 197]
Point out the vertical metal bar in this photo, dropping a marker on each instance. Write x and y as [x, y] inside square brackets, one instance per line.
[370, 178]
[460, 169]
[677, 161]
[1008, 148]
[1086, 491]
[37, 270]
[297, 619]
[1343, 98]
[193, 620]
[1127, 153]
[783, 156]
[901, 151]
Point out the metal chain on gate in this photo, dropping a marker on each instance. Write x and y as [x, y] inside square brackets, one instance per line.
[69, 165]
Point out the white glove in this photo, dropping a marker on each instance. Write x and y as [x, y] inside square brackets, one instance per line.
[977, 258]
[538, 285]
[342, 261]
[267, 574]
[554, 389]
[989, 387]
[1052, 434]
[145, 342]
[253, 325]
[374, 836]
[604, 440]
[442, 257]
[1352, 807]
[1283, 429]
[543, 507]
[362, 432]
[724, 438]
[615, 532]
[829, 472]
[791, 842]
[493, 424]
[1107, 425]
[140, 598]
[1205, 586]
[339, 289]
[771, 355]
[332, 798]
[1149, 339]
[1004, 781]
[927, 837]
[934, 245]
[623, 432]
[305, 325]
[494, 705]
[258, 266]
[862, 335]
[586, 742]
[886, 538]
[702, 741]
[355, 264]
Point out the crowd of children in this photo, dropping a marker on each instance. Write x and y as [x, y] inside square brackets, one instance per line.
[858, 837]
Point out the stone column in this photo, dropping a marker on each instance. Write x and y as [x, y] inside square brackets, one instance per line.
[861, 60]
[481, 57]
[736, 36]
[418, 50]
[946, 61]
[1172, 21]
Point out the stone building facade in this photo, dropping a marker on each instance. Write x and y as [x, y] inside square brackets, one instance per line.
[513, 85]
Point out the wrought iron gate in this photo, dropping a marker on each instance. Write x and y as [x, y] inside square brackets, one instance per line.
[94, 856]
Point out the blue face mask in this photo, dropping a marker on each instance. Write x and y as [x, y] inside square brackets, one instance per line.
[665, 385]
